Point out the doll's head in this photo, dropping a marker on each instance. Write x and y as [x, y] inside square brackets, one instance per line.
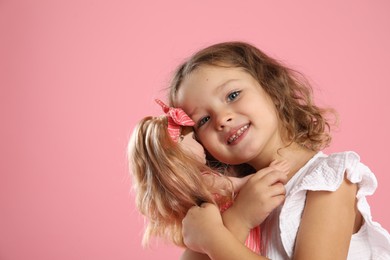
[189, 144]
[167, 169]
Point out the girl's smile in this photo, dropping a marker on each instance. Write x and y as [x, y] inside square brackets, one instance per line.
[235, 119]
[236, 135]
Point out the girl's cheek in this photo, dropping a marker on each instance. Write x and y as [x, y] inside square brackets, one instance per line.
[200, 136]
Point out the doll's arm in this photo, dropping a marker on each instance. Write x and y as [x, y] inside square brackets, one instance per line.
[203, 231]
[327, 224]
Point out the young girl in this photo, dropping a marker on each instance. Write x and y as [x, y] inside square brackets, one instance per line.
[170, 176]
[250, 109]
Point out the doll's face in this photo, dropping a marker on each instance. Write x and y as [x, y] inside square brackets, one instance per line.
[188, 143]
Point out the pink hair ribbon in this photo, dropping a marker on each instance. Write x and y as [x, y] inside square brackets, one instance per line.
[176, 118]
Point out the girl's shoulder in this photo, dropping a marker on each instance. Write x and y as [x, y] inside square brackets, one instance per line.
[326, 172]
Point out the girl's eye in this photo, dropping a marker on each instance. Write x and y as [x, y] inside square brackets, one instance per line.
[233, 95]
[203, 121]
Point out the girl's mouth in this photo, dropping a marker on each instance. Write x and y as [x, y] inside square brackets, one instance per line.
[239, 132]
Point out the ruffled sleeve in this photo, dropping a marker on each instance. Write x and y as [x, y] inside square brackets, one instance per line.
[326, 173]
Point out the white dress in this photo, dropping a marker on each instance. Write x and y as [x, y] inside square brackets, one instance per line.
[326, 173]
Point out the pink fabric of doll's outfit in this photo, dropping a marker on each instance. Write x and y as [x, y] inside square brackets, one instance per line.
[176, 119]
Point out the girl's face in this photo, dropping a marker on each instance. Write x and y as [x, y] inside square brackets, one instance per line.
[188, 143]
[235, 119]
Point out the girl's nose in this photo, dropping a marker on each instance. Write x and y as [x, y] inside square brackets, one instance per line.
[223, 121]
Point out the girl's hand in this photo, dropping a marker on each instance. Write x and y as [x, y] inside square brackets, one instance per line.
[201, 227]
[203, 231]
[263, 192]
[221, 184]
[238, 183]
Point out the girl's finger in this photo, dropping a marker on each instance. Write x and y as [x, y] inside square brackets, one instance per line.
[277, 189]
[274, 177]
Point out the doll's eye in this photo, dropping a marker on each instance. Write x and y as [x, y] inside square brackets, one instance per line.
[233, 95]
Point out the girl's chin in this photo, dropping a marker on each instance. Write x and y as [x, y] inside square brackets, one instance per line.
[236, 162]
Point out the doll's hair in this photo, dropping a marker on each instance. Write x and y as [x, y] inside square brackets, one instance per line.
[166, 178]
[305, 123]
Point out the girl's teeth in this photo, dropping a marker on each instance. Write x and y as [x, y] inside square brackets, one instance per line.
[237, 134]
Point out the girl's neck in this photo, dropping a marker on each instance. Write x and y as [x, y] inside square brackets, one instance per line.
[297, 159]
[295, 155]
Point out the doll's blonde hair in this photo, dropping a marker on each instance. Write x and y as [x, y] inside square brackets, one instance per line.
[167, 180]
[305, 123]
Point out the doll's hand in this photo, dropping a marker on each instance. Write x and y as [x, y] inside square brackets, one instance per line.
[201, 227]
[262, 193]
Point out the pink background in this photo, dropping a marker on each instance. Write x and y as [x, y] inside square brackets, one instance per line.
[76, 75]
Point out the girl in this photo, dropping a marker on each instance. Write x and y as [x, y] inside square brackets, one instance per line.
[250, 109]
[170, 176]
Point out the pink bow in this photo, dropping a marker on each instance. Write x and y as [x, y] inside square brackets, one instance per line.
[176, 118]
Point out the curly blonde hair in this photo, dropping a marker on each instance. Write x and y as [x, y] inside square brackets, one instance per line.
[305, 123]
[167, 180]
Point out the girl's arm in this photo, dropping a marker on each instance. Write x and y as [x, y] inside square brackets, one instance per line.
[328, 222]
[228, 215]
[192, 255]
[263, 192]
[203, 231]
[259, 194]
